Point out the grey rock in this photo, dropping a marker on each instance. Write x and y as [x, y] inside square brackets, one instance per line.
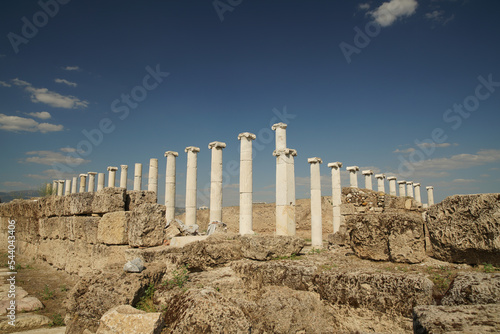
[134, 266]
[473, 288]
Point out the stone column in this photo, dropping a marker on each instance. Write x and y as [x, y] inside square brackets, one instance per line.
[112, 176]
[153, 176]
[280, 129]
[392, 185]
[336, 194]
[246, 183]
[191, 178]
[290, 171]
[380, 182]
[430, 195]
[60, 187]
[409, 188]
[353, 177]
[54, 187]
[402, 189]
[316, 221]
[368, 179]
[418, 197]
[67, 190]
[138, 176]
[91, 181]
[100, 181]
[74, 185]
[83, 181]
[123, 176]
[285, 191]
[170, 185]
[216, 181]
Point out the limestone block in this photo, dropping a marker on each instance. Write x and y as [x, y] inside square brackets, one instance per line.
[186, 240]
[473, 288]
[113, 228]
[457, 319]
[55, 228]
[24, 321]
[85, 228]
[109, 200]
[466, 229]
[135, 197]
[146, 225]
[126, 319]
[347, 209]
[266, 247]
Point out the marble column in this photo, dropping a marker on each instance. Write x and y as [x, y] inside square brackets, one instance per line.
[74, 185]
[418, 197]
[409, 188]
[430, 195]
[123, 176]
[353, 177]
[191, 180]
[100, 181]
[54, 187]
[380, 182]
[112, 176]
[285, 191]
[280, 129]
[246, 183]
[316, 221]
[336, 194]
[60, 187]
[91, 181]
[216, 181]
[83, 181]
[170, 185]
[67, 190]
[153, 175]
[368, 179]
[402, 188]
[138, 176]
[392, 185]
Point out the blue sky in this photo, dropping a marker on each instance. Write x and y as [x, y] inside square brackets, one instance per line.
[408, 88]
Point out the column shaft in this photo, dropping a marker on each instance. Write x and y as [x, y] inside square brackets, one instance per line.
[430, 195]
[100, 181]
[316, 219]
[91, 181]
[60, 187]
[74, 185]
[216, 182]
[83, 181]
[67, 190]
[191, 183]
[138, 176]
[246, 183]
[170, 185]
[123, 176]
[392, 186]
[336, 195]
[153, 175]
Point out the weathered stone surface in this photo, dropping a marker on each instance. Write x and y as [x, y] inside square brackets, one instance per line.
[393, 236]
[113, 228]
[456, 319]
[134, 266]
[25, 321]
[297, 275]
[28, 304]
[146, 225]
[126, 319]
[94, 294]
[83, 228]
[266, 247]
[216, 250]
[473, 288]
[466, 229]
[135, 197]
[204, 311]
[108, 200]
[182, 241]
[384, 292]
[55, 228]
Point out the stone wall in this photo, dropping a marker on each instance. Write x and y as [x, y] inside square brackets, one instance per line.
[82, 232]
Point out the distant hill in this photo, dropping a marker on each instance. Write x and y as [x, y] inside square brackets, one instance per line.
[21, 194]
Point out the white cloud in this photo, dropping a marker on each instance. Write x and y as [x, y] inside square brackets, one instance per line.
[68, 149]
[427, 145]
[364, 6]
[53, 99]
[71, 68]
[408, 150]
[41, 115]
[66, 82]
[51, 157]
[15, 184]
[459, 161]
[52, 174]
[435, 15]
[389, 12]
[18, 124]
[462, 181]
[5, 84]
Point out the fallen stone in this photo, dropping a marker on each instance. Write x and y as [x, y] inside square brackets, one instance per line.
[473, 288]
[134, 266]
[216, 227]
[456, 319]
[25, 320]
[267, 247]
[466, 229]
[126, 319]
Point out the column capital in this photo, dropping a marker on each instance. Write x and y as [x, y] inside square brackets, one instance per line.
[402, 182]
[124, 167]
[390, 178]
[409, 182]
[92, 173]
[216, 144]
[279, 125]
[247, 135]
[335, 164]
[429, 187]
[380, 176]
[172, 153]
[84, 175]
[416, 184]
[112, 169]
[352, 168]
[367, 172]
[61, 181]
[314, 160]
[286, 151]
[193, 149]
